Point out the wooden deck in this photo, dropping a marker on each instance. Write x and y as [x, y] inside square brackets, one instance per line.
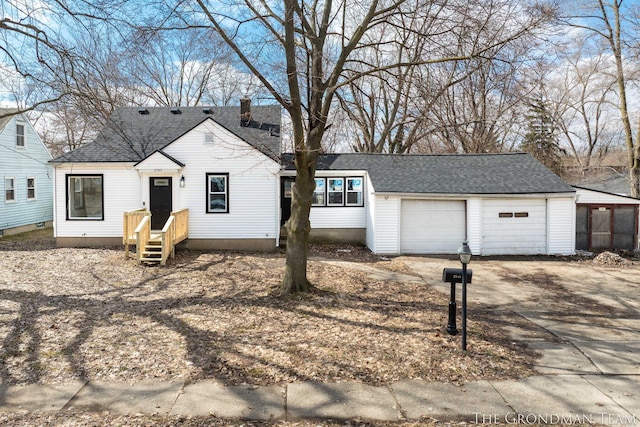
[154, 246]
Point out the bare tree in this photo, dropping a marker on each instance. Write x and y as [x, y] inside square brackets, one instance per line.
[440, 98]
[176, 67]
[582, 94]
[34, 60]
[606, 21]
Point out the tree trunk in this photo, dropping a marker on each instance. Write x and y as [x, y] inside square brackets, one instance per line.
[298, 227]
[634, 180]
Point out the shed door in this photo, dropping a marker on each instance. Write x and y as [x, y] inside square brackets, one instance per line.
[514, 227]
[601, 228]
[432, 226]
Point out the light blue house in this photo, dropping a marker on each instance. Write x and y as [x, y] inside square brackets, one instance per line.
[26, 178]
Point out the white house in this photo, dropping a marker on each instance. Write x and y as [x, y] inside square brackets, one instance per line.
[223, 164]
[26, 201]
[223, 169]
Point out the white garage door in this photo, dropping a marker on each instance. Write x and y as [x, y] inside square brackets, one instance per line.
[514, 227]
[432, 226]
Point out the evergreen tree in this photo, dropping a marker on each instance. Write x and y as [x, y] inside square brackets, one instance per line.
[541, 140]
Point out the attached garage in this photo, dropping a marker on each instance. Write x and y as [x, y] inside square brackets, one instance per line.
[507, 204]
[514, 226]
[431, 226]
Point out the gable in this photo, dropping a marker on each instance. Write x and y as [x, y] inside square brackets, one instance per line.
[34, 149]
[159, 161]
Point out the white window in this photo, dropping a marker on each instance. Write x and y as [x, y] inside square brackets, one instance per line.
[31, 188]
[20, 138]
[355, 191]
[335, 191]
[319, 193]
[85, 197]
[217, 193]
[9, 189]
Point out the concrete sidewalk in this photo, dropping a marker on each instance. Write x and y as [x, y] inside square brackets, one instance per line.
[544, 399]
[589, 373]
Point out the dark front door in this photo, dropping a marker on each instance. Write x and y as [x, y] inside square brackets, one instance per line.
[285, 198]
[160, 203]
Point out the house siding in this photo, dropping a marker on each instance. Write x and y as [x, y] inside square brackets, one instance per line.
[116, 178]
[22, 163]
[561, 226]
[252, 186]
[371, 217]
[387, 219]
[474, 225]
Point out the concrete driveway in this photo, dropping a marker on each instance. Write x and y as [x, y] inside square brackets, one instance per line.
[587, 315]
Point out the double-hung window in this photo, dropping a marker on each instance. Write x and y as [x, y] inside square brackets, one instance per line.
[354, 191]
[85, 197]
[20, 137]
[31, 188]
[217, 193]
[335, 191]
[9, 189]
[319, 197]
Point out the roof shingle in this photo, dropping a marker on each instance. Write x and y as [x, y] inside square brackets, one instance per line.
[130, 136]
[504, 173]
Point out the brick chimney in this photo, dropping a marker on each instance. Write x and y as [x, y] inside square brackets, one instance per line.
[245, 110]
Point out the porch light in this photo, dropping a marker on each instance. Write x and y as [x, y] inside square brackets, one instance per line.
[182, 181]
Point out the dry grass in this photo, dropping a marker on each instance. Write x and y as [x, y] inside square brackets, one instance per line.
[90, 314]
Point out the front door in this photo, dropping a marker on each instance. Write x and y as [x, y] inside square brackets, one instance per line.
[160, 203]
[285, 198]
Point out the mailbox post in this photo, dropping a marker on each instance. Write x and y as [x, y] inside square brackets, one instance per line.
[453, 276]
[464, 252]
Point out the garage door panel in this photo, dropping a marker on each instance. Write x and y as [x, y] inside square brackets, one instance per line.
[432, 226]
[521, 233]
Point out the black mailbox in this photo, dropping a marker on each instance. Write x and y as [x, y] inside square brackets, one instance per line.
[454, 275]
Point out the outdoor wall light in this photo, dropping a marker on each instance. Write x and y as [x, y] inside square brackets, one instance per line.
[182, 181]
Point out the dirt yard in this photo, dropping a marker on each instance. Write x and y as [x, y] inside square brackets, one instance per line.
[92, 314]
[70, 314]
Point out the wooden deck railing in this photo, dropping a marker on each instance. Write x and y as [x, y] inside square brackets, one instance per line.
[182, 225]
[131, 221]
[143, 234]
[175, 230]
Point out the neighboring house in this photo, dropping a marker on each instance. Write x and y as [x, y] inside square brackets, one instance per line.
[605, 221]
[26, 201]
[613, 182]
[223, 165]
[428, 204]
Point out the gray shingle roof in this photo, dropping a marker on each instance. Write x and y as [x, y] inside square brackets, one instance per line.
[130, 136]
[5, 120]
[614, 183]
[508, 173]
